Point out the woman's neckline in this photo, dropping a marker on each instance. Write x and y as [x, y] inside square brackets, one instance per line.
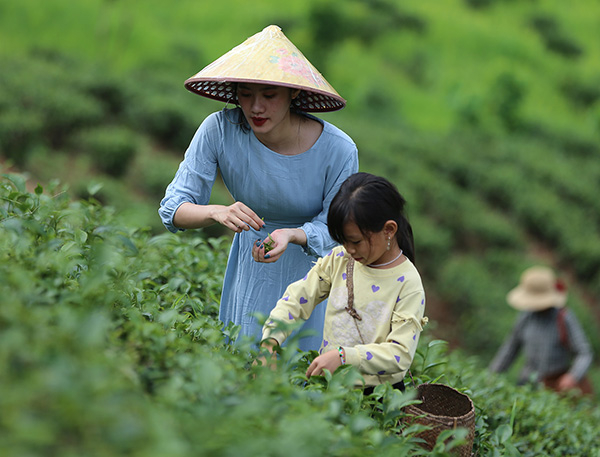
[303, 118]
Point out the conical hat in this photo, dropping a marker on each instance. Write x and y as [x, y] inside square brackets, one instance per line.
[268, 57]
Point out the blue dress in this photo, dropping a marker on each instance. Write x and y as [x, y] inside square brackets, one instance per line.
[287, 191]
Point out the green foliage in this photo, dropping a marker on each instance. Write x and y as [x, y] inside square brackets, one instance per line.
[485, 113]
[554, 38]
[154, 172]
[111, 346]
[39, 106]
[19, 131]
[512, 420]
[111, 148]
[163, 110]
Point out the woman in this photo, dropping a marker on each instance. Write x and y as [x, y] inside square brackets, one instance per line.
[281, 165]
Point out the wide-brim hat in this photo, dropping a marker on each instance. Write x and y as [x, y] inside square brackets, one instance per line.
[268, 57]
[538, 290]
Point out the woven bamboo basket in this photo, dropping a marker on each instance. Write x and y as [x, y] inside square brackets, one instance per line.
[442, 408]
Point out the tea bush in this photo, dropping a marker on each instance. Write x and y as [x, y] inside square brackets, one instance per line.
[111, 148]
[494, 183]
[111, 346]
[153, 173]
[19, 134]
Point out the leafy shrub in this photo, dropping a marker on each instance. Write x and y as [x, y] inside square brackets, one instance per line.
[476, 4]
[65, 111]
[113, 93]
[153, 173]
[521, 420]
[361, 20]
[554, 38]
[110, 346]
[167, 112]
[124, 354]
[506, 97]
[20, 132]
[579, 93]
[41, 105]
[111, 148]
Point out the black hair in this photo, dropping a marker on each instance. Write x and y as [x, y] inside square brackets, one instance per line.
[370, 201]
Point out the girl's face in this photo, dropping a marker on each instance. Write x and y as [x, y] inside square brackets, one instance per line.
[265, 107]
[371, 249]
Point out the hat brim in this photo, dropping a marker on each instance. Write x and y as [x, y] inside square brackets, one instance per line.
[308, 100]
[523, 300]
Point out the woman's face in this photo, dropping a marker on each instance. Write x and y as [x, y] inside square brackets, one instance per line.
[366, 249]
[265, 107]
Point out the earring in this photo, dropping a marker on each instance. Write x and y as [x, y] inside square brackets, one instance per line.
[389, 241]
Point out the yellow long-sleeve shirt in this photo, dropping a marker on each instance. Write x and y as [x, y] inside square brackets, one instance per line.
[390, 301]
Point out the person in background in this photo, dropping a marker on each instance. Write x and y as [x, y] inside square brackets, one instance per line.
[281, 165]
[376, 306]
[557, 352]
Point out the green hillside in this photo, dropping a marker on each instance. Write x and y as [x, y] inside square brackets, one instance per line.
[485, 113]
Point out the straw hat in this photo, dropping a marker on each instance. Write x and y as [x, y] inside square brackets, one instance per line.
[538, 290]
[267, 58]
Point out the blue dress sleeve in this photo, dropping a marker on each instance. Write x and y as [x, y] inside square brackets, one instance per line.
[196, 175]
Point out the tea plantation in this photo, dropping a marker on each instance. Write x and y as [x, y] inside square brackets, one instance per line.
[484, 113]
[110, 346]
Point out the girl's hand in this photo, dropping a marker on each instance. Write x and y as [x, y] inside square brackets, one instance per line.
[330, 361]
[237, 217]
[278, 242]
[271, 346]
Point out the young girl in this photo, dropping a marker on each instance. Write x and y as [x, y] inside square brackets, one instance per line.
[376, 299]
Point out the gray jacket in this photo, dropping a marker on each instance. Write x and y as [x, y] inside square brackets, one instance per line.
[537, 334]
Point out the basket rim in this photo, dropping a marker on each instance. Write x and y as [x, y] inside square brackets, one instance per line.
[416, 407]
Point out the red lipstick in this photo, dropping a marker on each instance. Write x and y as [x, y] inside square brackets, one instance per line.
[258, 121]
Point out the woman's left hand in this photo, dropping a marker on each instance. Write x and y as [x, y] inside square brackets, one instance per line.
[330, 361]
[281, 239]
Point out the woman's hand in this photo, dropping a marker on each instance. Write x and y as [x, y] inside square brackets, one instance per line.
[330, 361]
[277, 241]
[237, 217]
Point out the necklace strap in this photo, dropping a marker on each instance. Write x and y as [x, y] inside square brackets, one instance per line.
[388, 263]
